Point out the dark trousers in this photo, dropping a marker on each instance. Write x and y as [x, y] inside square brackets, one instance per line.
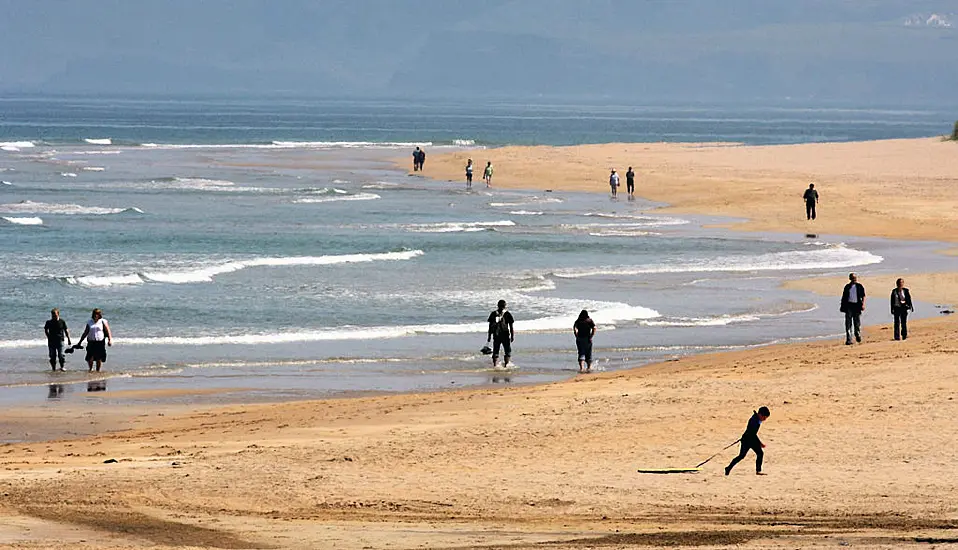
[506, 347]
[746, 446]
[901, 322]
[810, 210]
[630, 187]
[55, 347]
[853, 320]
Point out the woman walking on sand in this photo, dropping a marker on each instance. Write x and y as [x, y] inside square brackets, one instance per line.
[487, 174]
[584, 330]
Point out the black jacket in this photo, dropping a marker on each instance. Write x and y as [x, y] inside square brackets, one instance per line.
[853, 306]
[750, 437]
[895, 303]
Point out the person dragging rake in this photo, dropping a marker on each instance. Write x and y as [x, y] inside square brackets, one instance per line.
[751, 441]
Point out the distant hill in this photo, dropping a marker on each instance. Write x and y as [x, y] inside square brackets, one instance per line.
[862, 51]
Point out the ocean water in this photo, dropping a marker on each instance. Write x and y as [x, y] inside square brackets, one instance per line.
[276, 250]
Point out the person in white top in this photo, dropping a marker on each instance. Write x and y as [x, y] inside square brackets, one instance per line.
[98, 336]
[614, 182]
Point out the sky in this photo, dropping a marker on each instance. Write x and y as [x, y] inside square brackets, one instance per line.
[885, 52]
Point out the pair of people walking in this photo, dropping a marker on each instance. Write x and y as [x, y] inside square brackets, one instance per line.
[486, 174]
[501, 334]
[853, 305]
[629, 182]
[97, 334]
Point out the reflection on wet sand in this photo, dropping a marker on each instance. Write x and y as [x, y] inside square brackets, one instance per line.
[96, 385]
[55, 391]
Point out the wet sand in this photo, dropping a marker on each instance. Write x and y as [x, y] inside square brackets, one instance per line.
[860, 444]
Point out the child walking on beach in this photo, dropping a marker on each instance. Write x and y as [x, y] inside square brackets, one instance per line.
[751, 441]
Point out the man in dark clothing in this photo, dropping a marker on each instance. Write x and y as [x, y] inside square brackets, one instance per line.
[56, 329]
[501, 333]
[811, 199]
[900, 306]
[422, 159]
[853, 304]
[751, 441]
[416, 164]
[630, 181]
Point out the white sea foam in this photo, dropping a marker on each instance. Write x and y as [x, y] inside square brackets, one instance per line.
[527, 201]
[93, 168]
[14, 146]
[5, 182]
[622, 233]
[338, 198]
[99, 141]
[456, 227]
[292, 145]
[648, 220]
[829, 258]
[464, 142]
[526, 213]
[340, 182]
[206, 274]
[23, 221]
[350, 144]
[68, 174]
[30, 207]
[725, 319]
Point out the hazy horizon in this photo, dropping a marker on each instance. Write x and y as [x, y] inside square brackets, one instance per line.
[809, 52]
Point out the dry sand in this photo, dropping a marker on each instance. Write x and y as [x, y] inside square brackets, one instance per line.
[905, 189]
[861, 442]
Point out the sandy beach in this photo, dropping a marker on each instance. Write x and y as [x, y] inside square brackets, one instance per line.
[860, 445]
[900, 189]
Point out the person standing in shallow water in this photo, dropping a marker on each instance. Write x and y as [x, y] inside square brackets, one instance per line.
[811, 201]
[853, 304]
[98, 336]
[584, 330]
[630, 182]
[487, 174]
[501, 334]
[56, 329]
[469, 174]
[750, 441]
[900, 306]
[614, 182]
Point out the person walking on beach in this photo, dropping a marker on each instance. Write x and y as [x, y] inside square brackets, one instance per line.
[853, 304]
[584, 330]
[614, 182]
[415, 160]
[98, 336]
[56, 329]
[630, 182]
[501, 334]
[900, 306]
[487, 174]
[811, 200]
[750, 441]
[469, 174]
[422, 158]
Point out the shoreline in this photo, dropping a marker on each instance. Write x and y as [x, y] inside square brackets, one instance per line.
[540, 464]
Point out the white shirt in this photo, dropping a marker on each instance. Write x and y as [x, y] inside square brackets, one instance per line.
[614, 180]
[853, 294]
[97, 331]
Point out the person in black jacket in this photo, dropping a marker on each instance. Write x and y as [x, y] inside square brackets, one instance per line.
[853, 304]
[751, 441]
[811, 201]
[900, 306]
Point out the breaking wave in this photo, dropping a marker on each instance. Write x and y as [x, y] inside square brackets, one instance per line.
[205, 274]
